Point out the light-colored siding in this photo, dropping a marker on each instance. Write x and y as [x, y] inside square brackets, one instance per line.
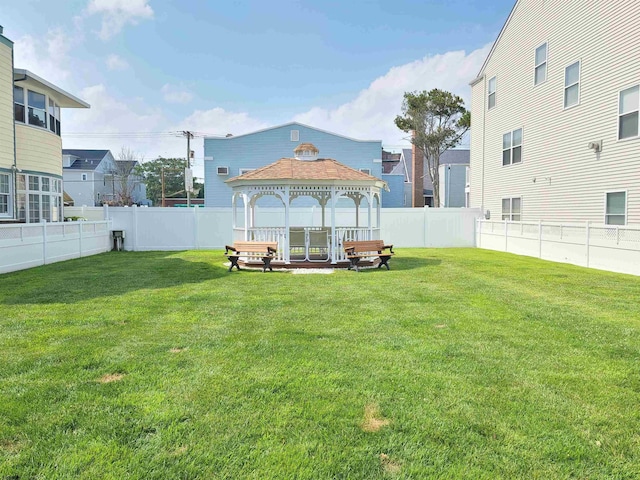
[38, 150]
[570, 180]
[265, 147]
[6, 107]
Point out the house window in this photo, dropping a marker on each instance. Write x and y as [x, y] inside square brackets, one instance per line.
[38, 198]
[540, 74]
[616, 208]
[512, 147]
[628, 113]
[572, 85]
[511, 209]
[18, 104]
[222, 170]
[37, 109]
[5, 195]
[295, 135]
[54, 117]
[492, 93]
[366, 170]
[84, 177]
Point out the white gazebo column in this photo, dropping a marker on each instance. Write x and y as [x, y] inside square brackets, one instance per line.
[379, 211]
[334, 235]
[286, 199]
[245, 200]
[369, 213]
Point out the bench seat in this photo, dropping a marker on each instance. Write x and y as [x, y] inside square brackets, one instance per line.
[254, 250]
[356, 250]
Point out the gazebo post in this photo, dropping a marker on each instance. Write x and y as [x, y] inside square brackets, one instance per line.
[286, 199]
[245, 199]
[369, 219]
[334, 235]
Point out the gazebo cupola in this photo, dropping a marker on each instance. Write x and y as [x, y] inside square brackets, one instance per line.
[306, 151]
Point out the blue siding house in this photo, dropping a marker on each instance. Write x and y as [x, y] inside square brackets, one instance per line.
[229, 157]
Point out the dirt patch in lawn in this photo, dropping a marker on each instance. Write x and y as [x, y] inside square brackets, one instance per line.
[442, 325]
[373, 421]
[111, 377]
[177, 349]
[388, 465]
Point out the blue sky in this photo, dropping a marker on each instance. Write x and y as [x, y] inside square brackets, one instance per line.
[237, 66]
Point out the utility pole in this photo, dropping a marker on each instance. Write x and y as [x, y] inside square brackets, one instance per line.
[189, 136]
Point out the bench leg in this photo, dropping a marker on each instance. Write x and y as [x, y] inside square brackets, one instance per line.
[267, 264]
[384, 259]
[234, 262]
[354, 263]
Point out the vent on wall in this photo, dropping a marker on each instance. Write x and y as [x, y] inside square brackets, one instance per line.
[295, 135]
[245, 170]
[366, 170]
[222, 170]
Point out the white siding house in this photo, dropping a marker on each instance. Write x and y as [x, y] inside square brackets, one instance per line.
[555, 115]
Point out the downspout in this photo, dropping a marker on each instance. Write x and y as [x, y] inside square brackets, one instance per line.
[15, 146]
[484, 133]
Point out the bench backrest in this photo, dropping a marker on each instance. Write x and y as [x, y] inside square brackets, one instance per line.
[255, 247]
[363, 245]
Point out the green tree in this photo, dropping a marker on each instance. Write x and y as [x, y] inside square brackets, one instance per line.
[173, 169]
[437, 120]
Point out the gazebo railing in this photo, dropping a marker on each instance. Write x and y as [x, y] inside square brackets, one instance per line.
[352, 233]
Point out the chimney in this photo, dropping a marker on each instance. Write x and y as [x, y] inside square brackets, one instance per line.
[417, 167]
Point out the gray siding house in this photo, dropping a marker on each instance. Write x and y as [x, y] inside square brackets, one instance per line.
[555, 115]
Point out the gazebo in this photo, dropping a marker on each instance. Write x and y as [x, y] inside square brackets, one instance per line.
[309, 205]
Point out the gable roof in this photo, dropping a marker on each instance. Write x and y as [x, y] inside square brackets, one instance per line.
[493, 47]
[86, 159]
[294, 169]
[232, 137]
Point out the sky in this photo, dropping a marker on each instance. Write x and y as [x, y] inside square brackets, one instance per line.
[150, 68]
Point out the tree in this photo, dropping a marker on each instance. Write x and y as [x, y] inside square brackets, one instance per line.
[437, 121]
[122, 172]
[173, 169]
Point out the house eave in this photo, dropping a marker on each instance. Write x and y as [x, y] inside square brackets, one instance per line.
[66, 100]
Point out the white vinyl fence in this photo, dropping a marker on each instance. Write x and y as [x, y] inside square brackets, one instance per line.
[211, 228]
[605, 247]
[32, 244]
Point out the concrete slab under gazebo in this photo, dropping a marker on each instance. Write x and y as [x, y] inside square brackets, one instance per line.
[330, 198]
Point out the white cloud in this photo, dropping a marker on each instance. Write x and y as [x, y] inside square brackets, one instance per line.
[115, 62]
[113, 123]
[118, 13]
[371, 114]
[47, 57]
[218, 121]
[174, 94]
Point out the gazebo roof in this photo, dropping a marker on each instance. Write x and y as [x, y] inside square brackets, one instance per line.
[294, 169]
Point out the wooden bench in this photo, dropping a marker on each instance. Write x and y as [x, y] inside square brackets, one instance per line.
[356, 250]
[262, 250]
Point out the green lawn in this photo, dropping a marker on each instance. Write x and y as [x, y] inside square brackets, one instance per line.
[456, 363]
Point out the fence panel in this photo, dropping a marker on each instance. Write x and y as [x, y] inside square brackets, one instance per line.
[29, 245]
[605, 247]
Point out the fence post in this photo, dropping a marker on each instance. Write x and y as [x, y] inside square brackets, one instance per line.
[539, 238]
[80, 237]
[135, 228]
[617, 235]
[105, 212]
[196, 219]
[44, 242]
[588, 232]
[479, 222]
[506, 235]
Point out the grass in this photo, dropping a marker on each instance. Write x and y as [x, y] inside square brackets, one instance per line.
[454, 364]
